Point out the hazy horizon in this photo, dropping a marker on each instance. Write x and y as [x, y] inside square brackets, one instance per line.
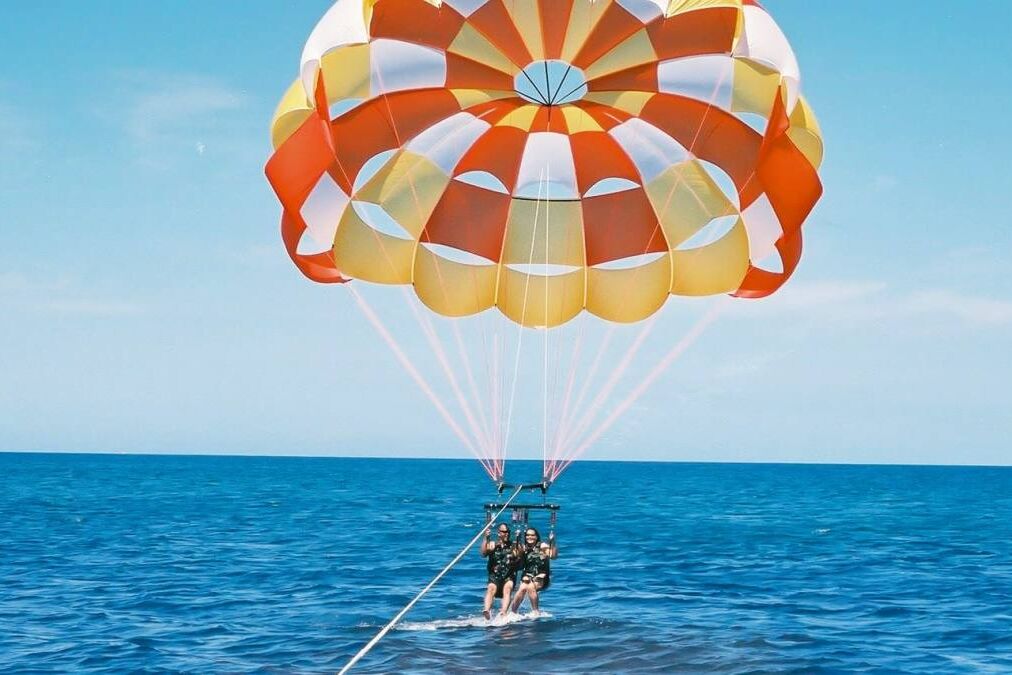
[528, 460]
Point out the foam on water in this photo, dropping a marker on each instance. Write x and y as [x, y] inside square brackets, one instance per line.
[477, 621]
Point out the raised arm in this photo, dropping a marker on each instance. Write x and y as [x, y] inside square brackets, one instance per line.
[486, 545]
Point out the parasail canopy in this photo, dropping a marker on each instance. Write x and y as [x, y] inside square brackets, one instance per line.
[546, 158]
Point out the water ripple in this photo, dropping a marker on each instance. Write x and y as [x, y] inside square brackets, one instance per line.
[155, 564]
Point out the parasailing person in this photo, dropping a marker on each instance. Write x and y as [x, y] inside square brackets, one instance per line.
[503, 563]
[536, 557]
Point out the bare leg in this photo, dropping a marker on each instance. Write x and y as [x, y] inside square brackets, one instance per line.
[489, 599]
[532, 593]
[507, 591]
[521, 594]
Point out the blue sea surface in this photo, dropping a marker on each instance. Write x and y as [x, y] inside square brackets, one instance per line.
[235, 564]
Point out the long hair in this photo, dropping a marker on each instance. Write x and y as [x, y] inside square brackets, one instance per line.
[537, 536]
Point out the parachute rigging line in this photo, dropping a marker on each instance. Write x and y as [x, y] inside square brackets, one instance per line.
[481, 431]
[687, 341]
[434, 341]
[562, 460]
[523, 318]
[407, 608]
[548, 202]
[419, 380]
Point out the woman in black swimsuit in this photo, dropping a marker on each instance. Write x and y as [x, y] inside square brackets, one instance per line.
[537, 567]
[503, 562]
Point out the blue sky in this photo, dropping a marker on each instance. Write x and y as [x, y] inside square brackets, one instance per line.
[148, 305]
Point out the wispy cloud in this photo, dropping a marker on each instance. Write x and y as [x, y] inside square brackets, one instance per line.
[260, 255]
[959, 306]
[884, 182]
[19, 143]
[857, 301]
[980, 265]
[59, 296]
[163, 113]
[164, 108]
[95, 308]
[15, 284]
[16, 131]
[12, 282]
[824, 294]
[746, 365]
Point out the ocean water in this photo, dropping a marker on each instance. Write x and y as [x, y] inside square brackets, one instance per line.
[217, 564]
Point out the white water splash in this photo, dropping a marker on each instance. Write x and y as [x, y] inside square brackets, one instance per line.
[473, 621]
